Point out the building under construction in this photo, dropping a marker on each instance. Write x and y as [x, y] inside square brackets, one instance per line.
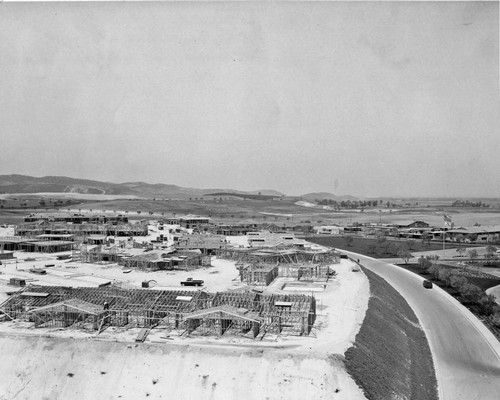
[279, 254]
[76, 218]
[157, 260]
[245, 313]
[80, 230]
[309, 272]
[258, 274]
[207, 244]
[144, 259]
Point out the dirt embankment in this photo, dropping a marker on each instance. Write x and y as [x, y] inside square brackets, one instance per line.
[34, 367]
[391, 358]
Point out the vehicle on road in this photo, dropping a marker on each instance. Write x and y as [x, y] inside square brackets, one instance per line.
[427, 284]
[38, 271]
[192, 282]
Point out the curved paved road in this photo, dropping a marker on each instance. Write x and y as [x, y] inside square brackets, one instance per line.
[466, 355]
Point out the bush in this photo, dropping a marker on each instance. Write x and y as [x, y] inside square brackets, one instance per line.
[471, 292]
[496, 318]
[445, 275]
[424, 263]
[434, 269]
[488, 304]
[457, 281]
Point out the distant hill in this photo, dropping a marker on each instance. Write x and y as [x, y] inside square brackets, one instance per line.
[248, 195]
[57, 184]
[62, 184]
[326, 196]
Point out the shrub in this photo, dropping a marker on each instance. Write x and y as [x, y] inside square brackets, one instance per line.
[445, 275]
[471, 292]
[434, 269]
[488, 304]
[424, 263]
[457, 281]
[496, 318]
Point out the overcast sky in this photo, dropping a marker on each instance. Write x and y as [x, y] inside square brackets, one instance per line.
[375, 99]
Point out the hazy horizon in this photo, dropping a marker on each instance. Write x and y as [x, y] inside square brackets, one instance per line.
[369, 99]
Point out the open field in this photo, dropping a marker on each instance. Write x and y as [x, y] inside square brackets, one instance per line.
[235, 210]
[361, 245]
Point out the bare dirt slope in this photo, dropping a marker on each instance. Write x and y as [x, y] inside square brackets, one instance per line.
[34, 367]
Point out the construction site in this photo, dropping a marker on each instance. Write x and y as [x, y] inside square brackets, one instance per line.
[256, 289]
[245, 313]
[80, 231]
[143, 258]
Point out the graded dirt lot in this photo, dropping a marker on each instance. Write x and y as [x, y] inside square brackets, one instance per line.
[35, 367]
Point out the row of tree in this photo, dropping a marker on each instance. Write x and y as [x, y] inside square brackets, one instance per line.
[490, 256]
[455, 279]
[467, 203]
[348, 203]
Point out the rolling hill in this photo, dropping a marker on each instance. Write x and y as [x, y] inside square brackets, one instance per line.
[61, 184]
[311, 197]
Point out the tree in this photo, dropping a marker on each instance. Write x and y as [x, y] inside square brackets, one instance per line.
[461, 251]
[471, 292]
[404, 254]
[495, 319]
[410, 243]
[391, 248]
[472, 237]
[490, 255]
[488, 304]
[434, 270]
[491, 249]
[426, 238]
[381, 242]
[424, 263]
[348, 240]
[472, 254]
[434, 258]
[372, 247]
[445, 275]
[457, 281]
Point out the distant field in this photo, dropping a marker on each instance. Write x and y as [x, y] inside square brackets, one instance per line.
[12, 209]
[361, 245]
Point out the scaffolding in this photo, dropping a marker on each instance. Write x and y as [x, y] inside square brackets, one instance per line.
[289, 314]
[192, 312]
[70, 312]
[157, 260]
[222, 320]
[80, 230]
[98, 254]
[258, 274]
[308, 272]
[132, 307]
[279, 254]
